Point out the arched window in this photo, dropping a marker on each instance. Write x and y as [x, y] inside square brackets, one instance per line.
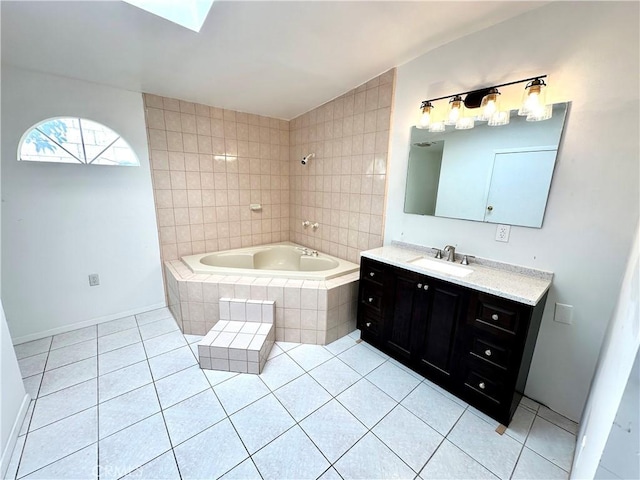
[75, 140]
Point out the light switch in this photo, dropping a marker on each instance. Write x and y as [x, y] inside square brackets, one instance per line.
[563, 313]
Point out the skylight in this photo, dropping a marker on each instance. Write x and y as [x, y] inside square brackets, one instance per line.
[190, 14]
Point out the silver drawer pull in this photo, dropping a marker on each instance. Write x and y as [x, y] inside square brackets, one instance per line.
[482, 385]
[494, 316]
[419, 285]
[368, 324]
[370, 299]
[372, 274]
[487, 352]
[426, 287]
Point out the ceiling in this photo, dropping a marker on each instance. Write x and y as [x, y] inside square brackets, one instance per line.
[278, 59]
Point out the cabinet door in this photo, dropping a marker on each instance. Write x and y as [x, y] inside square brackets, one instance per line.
[436, 330]
[409, 304]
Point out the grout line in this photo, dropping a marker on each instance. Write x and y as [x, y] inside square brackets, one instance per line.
[55, 461]
[98, 473]
[540, 454]
[272, 392]
[164, 421]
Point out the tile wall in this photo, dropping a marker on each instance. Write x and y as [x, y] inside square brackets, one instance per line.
[343, 187]
[208, 165]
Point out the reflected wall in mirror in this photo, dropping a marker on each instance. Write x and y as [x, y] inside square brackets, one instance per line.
[487, 174]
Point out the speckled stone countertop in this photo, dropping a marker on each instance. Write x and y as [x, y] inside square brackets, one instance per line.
[521, 284]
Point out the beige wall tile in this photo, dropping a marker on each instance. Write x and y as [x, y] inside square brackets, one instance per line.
[343, 187]
[200, 196]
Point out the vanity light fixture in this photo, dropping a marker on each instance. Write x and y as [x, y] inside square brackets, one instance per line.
[499, 118]
[490, 104]
[533, 98]
[437, 127]
[425, 118]
[465, 123]
[487, 100]
[455, 110]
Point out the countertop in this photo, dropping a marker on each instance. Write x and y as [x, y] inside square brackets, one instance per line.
[521, 284]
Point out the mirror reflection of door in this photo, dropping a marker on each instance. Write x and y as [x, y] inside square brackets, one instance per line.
[520, 183]
[423, 177]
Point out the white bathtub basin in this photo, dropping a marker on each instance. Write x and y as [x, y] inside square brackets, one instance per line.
[278, 260]
[442, 267]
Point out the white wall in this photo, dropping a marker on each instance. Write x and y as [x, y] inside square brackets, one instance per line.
[590, 51]
[619, 350]
[13, 399]
[62, 222]
[620, 456]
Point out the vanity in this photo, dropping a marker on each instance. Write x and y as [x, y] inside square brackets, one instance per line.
[469, 329]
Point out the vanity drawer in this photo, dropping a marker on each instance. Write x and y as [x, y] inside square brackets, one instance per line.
[371, 297]
[484, 383]
[491, 352]
[372, 271]
[496, 314]
[369, 325]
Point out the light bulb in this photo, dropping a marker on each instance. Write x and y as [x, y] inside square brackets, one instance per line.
[425, 118]
[533, 99]
[455, 110]
[489, 104]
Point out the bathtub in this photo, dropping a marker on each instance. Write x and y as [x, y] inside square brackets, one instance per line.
[276, 260]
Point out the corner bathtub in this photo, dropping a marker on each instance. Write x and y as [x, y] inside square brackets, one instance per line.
[276, 260]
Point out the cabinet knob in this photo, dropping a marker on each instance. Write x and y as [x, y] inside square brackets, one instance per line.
[487, 352]
[419, 285]
[370, 299]
[372, 274]
[482, 385]
[494, 316]
[426, 287]
[368, 324]
[489, 208]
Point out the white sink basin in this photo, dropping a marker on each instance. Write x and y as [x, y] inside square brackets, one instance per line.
[442, 266]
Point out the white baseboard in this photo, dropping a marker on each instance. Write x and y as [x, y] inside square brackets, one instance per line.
[13, 436]
[86, 323]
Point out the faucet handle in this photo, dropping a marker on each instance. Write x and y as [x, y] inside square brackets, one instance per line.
[306, 223]
[465, 259]
[438, 252]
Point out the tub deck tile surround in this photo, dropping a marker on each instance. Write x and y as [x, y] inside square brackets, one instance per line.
[306, 311]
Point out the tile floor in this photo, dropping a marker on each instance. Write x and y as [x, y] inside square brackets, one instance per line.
[128, 396]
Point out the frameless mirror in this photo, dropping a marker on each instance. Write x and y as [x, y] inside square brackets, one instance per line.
[487, 174]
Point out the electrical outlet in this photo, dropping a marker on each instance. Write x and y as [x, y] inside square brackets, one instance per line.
[94, 280]
[502, 233]
[563, 313]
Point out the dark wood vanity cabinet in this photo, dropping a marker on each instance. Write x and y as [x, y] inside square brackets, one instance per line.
[477, 346]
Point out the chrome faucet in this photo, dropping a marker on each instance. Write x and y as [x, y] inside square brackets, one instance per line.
[305, 251]
[451, 253]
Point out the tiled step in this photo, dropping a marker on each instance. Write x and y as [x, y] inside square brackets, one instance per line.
[242, 339]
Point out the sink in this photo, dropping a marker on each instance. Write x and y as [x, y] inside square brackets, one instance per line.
[442, 267]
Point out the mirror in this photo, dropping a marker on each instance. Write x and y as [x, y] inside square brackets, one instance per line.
[487, 174]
